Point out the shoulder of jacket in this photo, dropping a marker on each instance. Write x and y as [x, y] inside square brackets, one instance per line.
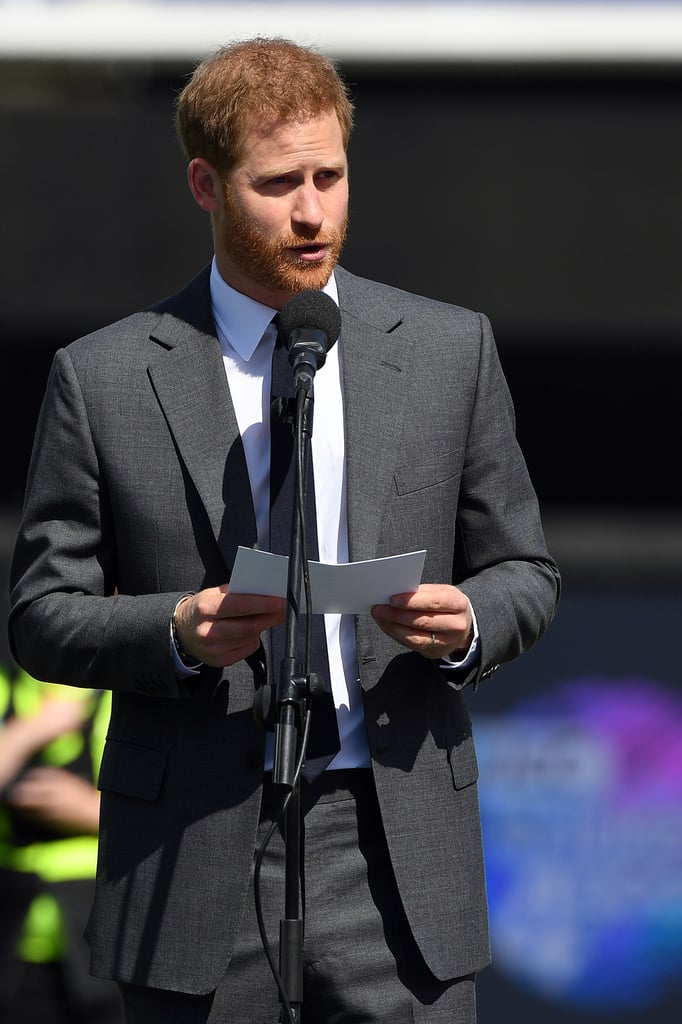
[358, 295]
[114, 335]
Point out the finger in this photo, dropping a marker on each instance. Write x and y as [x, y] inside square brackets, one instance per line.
[438, 623]
[426, 642]
[226, 641]
[246, 605]
[220, 656]
[220, 603]
[432, 598]
[450, 627]
[214, 626]
[236, 630]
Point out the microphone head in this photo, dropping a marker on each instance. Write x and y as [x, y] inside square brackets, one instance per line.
[311, 309]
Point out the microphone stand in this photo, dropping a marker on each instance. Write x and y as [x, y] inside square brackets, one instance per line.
[291, 707]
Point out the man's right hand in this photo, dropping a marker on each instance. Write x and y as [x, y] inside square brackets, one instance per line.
[219, 628]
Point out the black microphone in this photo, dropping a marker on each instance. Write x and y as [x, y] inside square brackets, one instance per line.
[310, 323]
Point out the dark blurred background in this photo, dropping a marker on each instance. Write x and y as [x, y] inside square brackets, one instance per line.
[546, 193]
[549, 198]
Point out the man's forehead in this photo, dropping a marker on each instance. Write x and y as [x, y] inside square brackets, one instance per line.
[258, 127]
[316, 138]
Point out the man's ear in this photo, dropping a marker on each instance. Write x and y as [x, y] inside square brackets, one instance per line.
[205, 184]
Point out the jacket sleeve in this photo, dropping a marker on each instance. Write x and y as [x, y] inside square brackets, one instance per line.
[67, 621]
[501, 559]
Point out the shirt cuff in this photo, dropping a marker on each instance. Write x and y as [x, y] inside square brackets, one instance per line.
[472, 656]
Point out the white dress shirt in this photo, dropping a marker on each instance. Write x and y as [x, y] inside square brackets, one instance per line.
[247, 338]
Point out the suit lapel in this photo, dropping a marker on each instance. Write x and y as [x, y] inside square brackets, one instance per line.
[376, 363]
[189, 379]
[188, 376]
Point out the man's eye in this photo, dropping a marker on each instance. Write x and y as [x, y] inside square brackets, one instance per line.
[327, 179]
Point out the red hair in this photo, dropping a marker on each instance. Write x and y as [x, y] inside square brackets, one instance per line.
[252, 83]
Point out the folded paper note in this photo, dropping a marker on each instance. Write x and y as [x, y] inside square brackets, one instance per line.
[350, 588]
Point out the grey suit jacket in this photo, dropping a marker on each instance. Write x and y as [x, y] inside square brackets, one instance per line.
[138, 493]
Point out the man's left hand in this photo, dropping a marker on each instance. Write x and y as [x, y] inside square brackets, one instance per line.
[434, 620]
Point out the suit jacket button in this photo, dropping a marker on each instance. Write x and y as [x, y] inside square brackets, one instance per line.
[254, 759]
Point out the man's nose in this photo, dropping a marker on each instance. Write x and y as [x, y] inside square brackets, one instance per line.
[308, 208]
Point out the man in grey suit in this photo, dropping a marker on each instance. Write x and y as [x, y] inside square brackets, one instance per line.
[150, 468]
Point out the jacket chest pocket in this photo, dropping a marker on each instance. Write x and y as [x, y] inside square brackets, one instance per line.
[421, 511]
[429, 471]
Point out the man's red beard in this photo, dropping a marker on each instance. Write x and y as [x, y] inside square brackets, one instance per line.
[269, 261]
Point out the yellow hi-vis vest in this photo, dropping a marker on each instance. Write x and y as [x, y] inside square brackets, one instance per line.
[52, 859]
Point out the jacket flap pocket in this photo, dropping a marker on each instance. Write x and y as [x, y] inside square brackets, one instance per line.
[132, 770]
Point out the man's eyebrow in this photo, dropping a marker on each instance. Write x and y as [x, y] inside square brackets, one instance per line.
[279, 172]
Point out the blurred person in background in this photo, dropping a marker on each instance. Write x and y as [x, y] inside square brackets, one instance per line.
[51, 741]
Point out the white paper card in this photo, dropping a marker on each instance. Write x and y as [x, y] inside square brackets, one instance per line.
[350, 588]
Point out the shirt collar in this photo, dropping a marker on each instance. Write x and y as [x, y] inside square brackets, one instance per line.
[242, 321]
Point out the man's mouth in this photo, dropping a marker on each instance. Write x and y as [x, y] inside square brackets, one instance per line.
[310, 252]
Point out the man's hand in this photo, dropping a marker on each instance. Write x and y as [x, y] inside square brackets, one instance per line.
[434, 621]
[219, 628]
